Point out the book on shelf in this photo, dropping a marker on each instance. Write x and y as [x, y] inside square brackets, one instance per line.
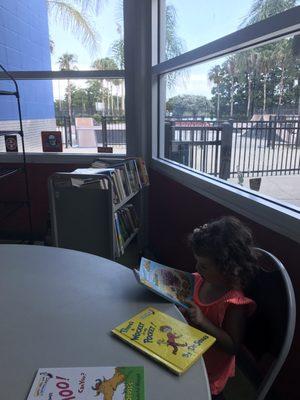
[76, 383]
[172, 284]
[143, 171]
[167, 340]
[126, 225]
[127, 177]
[135, 165]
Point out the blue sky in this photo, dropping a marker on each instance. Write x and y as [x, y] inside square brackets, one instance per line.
[198, 22]
[106, 27]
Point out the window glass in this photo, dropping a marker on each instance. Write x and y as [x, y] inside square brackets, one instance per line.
[39, 35]
[237, 118]
[88, 113]
[193, 23]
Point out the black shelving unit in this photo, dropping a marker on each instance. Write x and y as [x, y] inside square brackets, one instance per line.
[8, 208]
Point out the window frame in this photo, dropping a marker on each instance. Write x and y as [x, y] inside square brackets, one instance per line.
[280, 217]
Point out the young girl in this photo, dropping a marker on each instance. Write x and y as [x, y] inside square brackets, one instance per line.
[226, 263]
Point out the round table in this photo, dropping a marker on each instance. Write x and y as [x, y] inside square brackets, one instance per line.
[57, 309]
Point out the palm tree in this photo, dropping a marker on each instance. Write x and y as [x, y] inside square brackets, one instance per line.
[262, 9]
[67, 62]
[231, 68]
[174, 44]
[247, 66]
[284, 61]
[216, 75]
[107, 64]
[265, 62]
[75, 16]
[117, 49]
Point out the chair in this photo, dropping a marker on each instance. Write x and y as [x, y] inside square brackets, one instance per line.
[270, 330]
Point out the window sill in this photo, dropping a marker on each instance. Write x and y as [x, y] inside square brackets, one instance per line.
[56, 158]
[259, 208]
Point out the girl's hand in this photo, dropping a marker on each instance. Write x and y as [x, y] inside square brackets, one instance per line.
[194, 313]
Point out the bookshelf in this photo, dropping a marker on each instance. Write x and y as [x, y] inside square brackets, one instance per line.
[98, 210]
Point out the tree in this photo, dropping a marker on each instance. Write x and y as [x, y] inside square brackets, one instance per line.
[189, 105]
[216, 75]
[285, 64]
[107, 64]
[265, 62]
[75, 16]
[262, 9]
[67, 62]
[247, 66]
[231, 67]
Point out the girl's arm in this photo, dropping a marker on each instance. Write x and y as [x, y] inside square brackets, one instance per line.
[228, 337]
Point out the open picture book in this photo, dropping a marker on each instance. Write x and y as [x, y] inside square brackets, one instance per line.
[172, 284]
[167, 340]
[86, 383]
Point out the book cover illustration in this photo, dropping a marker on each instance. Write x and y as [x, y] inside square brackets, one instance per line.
[169, 341]
[106, 383]
[174, 285]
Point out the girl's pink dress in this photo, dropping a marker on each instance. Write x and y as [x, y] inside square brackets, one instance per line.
[219, 365]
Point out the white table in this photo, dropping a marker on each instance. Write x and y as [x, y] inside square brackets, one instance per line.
[57, 308]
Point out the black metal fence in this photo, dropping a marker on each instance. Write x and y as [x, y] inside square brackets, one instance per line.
[266, 148]
[64, 124]
[109, 130]
[224, 149]
[112, 131]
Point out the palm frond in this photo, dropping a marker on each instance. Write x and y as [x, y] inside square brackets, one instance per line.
[76, 22]
[119, 15]
[262, 9]
[93, 6]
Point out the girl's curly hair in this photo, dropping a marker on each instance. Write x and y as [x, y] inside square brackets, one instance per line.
[229, 243]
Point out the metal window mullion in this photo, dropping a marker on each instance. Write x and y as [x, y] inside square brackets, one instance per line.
[56, 75]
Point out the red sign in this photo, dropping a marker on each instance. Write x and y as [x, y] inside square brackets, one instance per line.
[105, 149]
[51, 141]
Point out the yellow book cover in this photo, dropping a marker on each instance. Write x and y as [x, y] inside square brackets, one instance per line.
[169, 341]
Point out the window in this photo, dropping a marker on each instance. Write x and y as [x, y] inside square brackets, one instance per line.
[68, 59]
[193, 23]
[231, 108]
[88, 113]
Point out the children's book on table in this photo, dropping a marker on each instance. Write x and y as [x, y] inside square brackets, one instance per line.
[172, 284]
[169, 341]
[86, 383]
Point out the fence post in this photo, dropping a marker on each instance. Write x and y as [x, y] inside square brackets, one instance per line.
[104, 131]
[66, 132]
[271, 135]
[168, 139]
[226, 145]
[70, 132]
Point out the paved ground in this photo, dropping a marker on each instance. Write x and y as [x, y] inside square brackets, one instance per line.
[285, 188]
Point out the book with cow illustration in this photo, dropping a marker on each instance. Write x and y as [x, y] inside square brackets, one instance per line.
[109, 383]
[169, 341]
[172, 284]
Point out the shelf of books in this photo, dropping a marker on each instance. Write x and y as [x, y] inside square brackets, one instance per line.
[103, 201]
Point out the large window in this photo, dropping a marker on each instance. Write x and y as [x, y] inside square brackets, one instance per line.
[193, 23]
[89, 113]
[234, 117]
[68, 59]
